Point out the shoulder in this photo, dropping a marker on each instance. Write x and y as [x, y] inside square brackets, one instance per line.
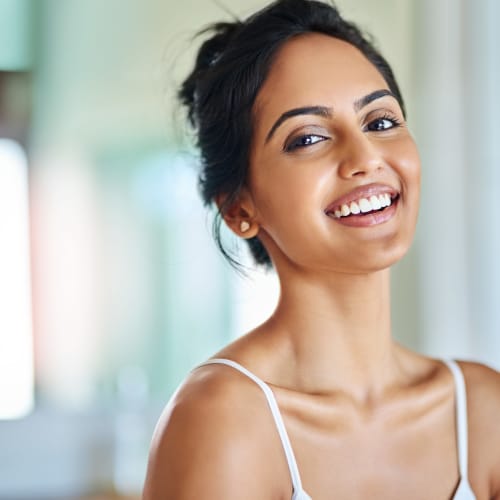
[214, 438]
[483, 389]
[483, 408]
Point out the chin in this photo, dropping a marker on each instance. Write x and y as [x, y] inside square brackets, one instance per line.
[371, 261]
[388, 259]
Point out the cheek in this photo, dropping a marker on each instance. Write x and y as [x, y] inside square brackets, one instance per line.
[290, 192]
[406, 160]
[409, 172]
[413, 169]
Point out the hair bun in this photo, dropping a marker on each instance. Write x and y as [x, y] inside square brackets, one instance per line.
[209, 53]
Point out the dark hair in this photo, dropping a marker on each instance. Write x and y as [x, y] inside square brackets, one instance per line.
[230, 69]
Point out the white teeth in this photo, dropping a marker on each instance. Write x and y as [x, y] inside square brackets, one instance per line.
[364, 205]
[354, 208]
[385, 200]
[375, 202]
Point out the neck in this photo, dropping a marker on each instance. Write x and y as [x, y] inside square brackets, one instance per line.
[337, 331]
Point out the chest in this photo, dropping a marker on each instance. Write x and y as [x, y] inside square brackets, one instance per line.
[391, 457]
[378, 472]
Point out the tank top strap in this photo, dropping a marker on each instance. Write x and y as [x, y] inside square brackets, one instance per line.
[278, 420]
[461, 417]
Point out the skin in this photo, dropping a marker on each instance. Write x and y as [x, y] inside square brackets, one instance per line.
[366, 417]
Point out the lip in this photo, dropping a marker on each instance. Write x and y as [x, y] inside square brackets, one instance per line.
[370, 219]
[366, 191]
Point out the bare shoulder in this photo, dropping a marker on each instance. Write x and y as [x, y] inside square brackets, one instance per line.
[483, 388]
[483, 408]
[214, 438]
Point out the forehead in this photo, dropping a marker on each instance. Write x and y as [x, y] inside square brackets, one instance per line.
[316, 69]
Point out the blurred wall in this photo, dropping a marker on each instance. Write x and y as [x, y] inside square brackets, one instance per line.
[456, 76]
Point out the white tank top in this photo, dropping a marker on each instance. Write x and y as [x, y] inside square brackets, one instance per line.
[463, 491]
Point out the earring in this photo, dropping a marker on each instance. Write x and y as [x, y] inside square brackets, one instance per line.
[244, 226]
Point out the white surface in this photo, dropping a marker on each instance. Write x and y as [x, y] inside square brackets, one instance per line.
[16, 344]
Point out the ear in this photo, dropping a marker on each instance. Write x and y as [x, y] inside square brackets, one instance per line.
[240, 216]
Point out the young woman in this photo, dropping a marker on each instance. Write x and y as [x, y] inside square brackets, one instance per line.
[306, 153]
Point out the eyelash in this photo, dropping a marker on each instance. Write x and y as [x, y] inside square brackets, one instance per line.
[297, 142]
[396, 122]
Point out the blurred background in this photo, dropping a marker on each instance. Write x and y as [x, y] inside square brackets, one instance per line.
[110, 286]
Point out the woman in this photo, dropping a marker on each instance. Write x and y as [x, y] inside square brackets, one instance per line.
[306, 153]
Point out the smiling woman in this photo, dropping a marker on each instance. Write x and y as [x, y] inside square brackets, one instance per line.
[306, 153]
[363, 135]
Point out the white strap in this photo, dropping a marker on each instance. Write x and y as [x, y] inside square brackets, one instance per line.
[461, 417]
[285, 441]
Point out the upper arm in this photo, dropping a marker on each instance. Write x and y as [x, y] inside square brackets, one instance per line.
[483, 402]
[495, 428]
[207, 445]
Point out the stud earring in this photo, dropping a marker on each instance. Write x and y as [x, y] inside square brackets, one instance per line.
[244, 226]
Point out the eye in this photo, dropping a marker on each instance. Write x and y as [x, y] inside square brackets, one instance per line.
[382, 123]
[303, 141]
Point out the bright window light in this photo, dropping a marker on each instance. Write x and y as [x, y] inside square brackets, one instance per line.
[16, 341]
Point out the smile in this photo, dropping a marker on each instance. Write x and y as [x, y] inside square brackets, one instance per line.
[363, 206]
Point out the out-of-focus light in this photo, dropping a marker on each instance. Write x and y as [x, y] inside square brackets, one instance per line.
[16, 52]
[16, 340]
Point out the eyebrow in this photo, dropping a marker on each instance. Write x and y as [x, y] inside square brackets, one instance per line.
[325, 111]
[359, 104]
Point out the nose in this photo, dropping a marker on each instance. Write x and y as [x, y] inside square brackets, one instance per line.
[359, 156]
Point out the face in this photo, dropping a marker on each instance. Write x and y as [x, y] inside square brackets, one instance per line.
[334, 172]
